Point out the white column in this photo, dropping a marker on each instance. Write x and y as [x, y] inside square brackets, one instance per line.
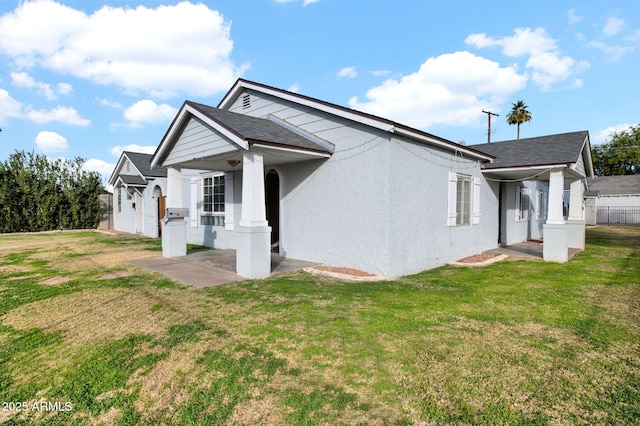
[576, 224]
[229, 214]
[576, 200]
[253, 201]
[555, 247]
[556, 191]
[174, 232]
[253, 235]
[174, 187]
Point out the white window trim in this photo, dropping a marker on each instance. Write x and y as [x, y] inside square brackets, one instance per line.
[540, 205]
[474, 198]
[195, 213]
[522, 215]
[201, 198]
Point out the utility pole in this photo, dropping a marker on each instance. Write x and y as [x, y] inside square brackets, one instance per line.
[489, 114]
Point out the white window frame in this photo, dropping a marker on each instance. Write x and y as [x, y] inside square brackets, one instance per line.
[456, 208]
[523, 203]
[541, 205]
[213, 214]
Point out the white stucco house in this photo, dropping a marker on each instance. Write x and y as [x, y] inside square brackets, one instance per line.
[138, 194]
[271, 169]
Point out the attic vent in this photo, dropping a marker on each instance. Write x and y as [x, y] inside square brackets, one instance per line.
[246, 101]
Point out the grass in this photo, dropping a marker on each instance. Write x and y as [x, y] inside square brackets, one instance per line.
[517, 342]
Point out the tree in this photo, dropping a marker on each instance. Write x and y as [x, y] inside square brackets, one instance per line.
[619, 156]
[518, 115]
[37, 194]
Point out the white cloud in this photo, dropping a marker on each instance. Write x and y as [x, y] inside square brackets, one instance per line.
[117, 150]
[574, 18]
[9, 107]
[22, 79]
[147, 111]
[100, 166]
[444, 91]
[51, 142]
[382, 73]
[110, 103]
[547, 65]
[182, 48]
[606, 134]
[103, 168]
[347, 72]
[64, 88]
[304, 3]
[295, 88]
[635, 36]
[612, 51]
[60, 114]
[613, 26]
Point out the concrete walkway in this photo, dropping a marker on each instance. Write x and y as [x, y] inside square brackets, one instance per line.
[529, 251]
[208, 268]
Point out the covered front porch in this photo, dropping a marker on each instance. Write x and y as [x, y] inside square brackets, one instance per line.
[241, 150]
[563, 229]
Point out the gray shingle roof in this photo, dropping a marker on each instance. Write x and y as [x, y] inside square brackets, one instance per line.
[132, 180]
[143, 163]
[564, 148]
[616, 185]
[254, 129]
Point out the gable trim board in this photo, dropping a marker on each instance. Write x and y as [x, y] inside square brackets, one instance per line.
[352, 190]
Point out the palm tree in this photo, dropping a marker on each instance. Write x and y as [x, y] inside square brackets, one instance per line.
[518, 115]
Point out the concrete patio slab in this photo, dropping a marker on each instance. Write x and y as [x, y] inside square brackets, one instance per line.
[208, 268]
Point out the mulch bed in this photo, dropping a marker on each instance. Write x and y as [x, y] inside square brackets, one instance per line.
[477, 258]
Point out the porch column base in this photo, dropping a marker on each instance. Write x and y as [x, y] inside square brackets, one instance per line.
[253, 255]
[174, 238]
[576, 231]
[555, 247]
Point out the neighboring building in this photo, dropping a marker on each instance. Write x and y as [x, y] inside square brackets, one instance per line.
[139, 194]
[319, 182]
[613, 200]
[106, 203]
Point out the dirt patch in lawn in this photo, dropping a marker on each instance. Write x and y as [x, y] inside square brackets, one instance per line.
[114, 275]
[54, 280]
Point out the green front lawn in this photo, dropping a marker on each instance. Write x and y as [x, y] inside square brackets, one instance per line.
[518, 342]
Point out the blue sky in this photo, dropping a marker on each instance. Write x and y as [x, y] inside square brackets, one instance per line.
[91, 78]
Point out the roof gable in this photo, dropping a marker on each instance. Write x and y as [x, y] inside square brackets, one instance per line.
[370, 120]
[142, 163]
[260, 130]
[561, 149]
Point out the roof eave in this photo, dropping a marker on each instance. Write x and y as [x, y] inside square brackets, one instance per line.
[442, 143]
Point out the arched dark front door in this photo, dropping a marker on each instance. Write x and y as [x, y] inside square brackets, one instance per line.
[272, 197]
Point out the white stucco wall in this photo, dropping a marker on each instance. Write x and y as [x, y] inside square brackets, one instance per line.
[124, 219]
[419, 236]
[379, 204]
[515, 230]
